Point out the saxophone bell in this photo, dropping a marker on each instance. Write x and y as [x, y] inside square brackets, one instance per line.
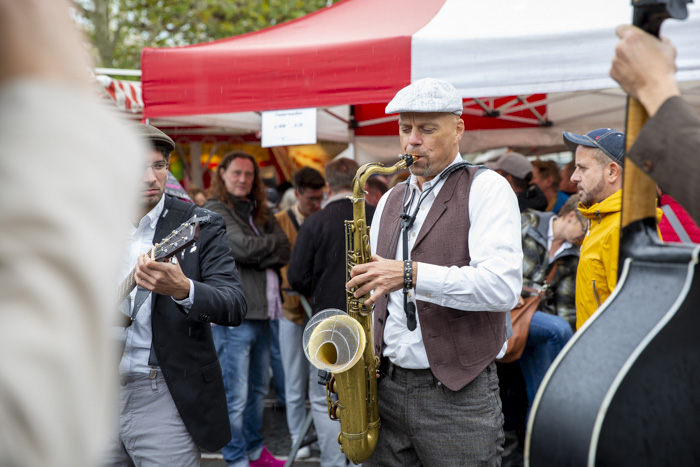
[333, 341]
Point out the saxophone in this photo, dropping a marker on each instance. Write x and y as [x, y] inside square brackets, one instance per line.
[342, 343]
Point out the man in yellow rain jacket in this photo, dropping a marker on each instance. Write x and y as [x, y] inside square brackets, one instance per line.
[600, 156]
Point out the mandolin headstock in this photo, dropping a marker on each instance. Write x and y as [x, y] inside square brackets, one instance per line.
[177, 241]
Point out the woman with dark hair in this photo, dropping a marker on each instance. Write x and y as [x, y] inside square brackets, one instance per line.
[260, 248]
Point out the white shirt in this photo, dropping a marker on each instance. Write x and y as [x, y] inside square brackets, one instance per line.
[492, 281]
[137, 349]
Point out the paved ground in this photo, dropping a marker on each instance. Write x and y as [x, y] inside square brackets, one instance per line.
[276, 438]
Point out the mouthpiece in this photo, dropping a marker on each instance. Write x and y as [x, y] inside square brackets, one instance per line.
[409, 158]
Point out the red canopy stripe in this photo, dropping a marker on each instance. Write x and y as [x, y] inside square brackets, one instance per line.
[330, 57]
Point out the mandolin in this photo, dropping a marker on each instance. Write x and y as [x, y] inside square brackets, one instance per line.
[626, 388]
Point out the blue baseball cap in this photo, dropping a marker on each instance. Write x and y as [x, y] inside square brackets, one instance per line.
[608, 140]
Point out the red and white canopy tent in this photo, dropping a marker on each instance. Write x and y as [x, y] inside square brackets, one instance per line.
[551, 57]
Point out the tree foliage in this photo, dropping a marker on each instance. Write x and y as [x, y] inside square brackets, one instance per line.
[119, 29]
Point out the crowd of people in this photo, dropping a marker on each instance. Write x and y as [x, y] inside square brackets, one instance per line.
[455, 248]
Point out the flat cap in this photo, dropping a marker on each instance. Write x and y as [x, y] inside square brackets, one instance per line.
[512, 163]
[426, 95]
[154, 135]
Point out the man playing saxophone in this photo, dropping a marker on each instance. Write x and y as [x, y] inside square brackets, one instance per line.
[445, 271]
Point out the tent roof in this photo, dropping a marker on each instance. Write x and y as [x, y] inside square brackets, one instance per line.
[330, 57]
[363, 51]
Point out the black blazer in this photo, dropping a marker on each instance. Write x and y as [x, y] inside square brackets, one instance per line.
[183, 342]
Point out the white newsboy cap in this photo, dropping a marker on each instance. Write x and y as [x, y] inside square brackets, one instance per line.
[426, 95]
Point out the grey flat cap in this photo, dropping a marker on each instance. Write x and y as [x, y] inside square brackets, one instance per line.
[154, 135]
[426, 95]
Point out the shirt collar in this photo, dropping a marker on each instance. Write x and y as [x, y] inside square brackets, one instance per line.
[550, 231]
[342, 195]
[297, 213]
[154, 214]
[413, 183]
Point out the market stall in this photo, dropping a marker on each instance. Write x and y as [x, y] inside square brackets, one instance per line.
[360, 52]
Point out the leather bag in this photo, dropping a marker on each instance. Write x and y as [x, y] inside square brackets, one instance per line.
[520, 318]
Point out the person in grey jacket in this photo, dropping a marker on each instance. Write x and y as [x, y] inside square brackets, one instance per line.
[260, 248]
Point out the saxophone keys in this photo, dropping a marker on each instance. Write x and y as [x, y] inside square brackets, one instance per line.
[333, 411]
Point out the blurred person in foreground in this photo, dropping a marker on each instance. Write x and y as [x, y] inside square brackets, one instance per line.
[68, 172]
[309, 188]
[446, 269]
[172, 397]
[668, 146]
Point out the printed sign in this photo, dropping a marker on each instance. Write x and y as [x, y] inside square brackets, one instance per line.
[288, 127]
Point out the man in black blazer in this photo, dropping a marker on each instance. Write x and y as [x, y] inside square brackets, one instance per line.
[172, 399]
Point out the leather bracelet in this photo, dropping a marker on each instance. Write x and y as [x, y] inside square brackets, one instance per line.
[407, 274]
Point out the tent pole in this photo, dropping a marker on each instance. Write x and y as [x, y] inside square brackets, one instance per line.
[195, 164]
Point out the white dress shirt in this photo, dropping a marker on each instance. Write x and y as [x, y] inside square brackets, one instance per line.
[491, 282]
[137, 349]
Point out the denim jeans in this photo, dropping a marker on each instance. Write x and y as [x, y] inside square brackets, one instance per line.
[244, 353]
[548, 335]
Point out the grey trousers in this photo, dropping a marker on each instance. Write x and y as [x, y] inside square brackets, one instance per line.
[151, 432]
[426, 424]
[296, 374]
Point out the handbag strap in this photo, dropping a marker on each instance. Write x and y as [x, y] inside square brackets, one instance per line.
[545, 285]
[551, 274]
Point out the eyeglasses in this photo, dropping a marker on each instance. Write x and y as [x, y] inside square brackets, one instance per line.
[584, 224]
[159, 167]
[313, 199]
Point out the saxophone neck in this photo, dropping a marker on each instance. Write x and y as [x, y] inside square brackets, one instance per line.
[374, 168]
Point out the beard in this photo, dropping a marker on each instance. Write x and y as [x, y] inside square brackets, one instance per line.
[590, 197]
[421, 172]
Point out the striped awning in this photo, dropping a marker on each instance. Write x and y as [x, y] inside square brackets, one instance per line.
[125, 94]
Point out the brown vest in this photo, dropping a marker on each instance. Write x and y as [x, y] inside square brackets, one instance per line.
[459, 344]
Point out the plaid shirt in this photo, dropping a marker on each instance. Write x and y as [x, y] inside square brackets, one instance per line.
[560, 298]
